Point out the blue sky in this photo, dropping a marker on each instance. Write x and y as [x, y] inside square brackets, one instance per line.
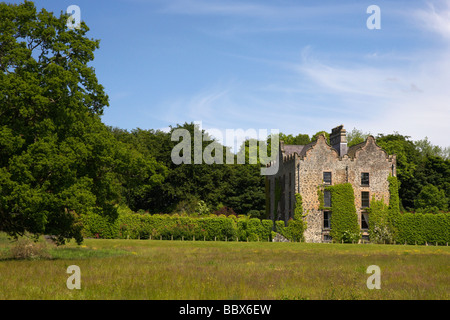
[296, 66]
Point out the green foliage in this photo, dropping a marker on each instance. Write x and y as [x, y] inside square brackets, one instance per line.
[300, 139]
[380, 230]
[61, 168]
[418, 164]
[50, 103]
[58, 161]
[176, 227]
[356, 136]
[316, 136]
[320, 197]
[344, 222]
[298, 207]
[424, 228]
[431, 199]
[394, 206]
[293, 231]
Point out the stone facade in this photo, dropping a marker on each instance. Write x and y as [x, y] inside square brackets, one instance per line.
[303, 169]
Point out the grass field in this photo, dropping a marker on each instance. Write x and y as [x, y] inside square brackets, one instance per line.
[143, 269]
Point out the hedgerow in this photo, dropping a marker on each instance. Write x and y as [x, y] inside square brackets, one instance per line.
[164, 226]
[419, 228]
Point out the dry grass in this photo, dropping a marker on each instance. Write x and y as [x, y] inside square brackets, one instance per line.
[229, 270]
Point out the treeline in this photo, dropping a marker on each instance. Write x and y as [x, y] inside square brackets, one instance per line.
[423, 171]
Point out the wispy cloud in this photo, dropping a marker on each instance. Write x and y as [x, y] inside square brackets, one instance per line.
[436, 18]
[411, 97]
[382, 92]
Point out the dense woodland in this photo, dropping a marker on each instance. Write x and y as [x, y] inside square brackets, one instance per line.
[423, 172]
[58, 161]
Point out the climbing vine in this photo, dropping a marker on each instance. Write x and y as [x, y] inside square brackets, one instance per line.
[344, 221]
[380, 231]
[394, 205]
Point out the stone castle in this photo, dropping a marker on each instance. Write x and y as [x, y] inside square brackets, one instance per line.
[304, 168]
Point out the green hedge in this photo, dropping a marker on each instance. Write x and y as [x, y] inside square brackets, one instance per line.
[144, 226]
[419, 228]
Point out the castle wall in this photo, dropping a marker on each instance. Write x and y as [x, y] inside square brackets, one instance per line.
[306, 174]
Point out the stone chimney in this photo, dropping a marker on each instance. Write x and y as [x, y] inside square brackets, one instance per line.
[338, 140]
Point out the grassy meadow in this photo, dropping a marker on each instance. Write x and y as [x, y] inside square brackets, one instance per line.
[153, 269]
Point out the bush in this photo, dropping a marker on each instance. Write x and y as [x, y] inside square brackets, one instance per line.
[431, 199]
[98, 226]
[380, 231]
[27, 249]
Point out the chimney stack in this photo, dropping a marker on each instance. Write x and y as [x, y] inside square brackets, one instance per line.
[338, 140]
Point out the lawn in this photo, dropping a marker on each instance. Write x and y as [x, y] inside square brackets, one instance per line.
[154, 269]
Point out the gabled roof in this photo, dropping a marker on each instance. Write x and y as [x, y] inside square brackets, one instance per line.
[292, 148]
[352, 150]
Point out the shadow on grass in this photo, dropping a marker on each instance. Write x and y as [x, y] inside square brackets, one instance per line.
[66, 254]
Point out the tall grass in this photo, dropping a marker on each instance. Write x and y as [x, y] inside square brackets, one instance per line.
[133, 269]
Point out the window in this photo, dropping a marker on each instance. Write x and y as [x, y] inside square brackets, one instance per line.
[364, 220]
[327, 199]
[327, 219]
[327, 177]
[365, 200]
[364, 178]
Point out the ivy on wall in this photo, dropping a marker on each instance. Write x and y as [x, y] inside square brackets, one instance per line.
[380, 230]
[295, 227]
[394, 205]
[344, 221]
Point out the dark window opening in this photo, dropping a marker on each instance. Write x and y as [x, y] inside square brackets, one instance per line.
[365, 200]
[327, 199]
[327, 177]
[327, 219]
[364, 221]
[364, 178]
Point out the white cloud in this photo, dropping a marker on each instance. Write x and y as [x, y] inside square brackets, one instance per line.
[437, 21]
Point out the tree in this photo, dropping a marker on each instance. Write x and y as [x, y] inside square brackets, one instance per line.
[431, 199]
[316, 136]
[58, 161]
[408, 159]
[356, 136]
[300, 139]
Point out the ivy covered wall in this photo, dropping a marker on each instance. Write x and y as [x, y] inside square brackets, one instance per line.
[344, 219]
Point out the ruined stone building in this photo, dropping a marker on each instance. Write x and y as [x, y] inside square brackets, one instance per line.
[304, 168]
